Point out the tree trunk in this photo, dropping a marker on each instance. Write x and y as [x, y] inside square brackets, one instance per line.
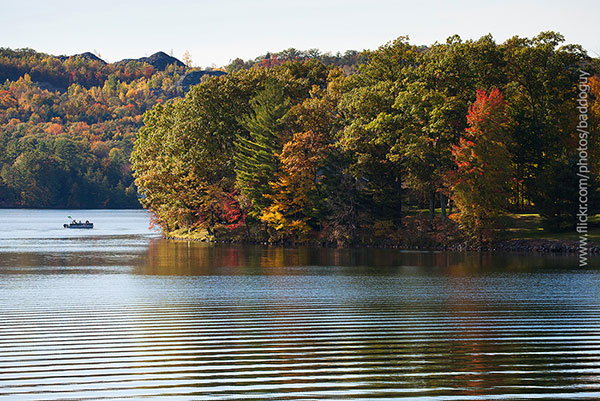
[398, 215]
[431, 204]
[211, 223]
[247, 230]
[443, 201]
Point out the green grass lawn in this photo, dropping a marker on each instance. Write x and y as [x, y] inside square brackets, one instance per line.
[529, 226]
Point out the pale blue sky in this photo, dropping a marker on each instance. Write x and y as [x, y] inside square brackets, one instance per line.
[218, 31]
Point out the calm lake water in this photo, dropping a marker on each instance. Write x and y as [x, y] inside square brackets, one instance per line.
[117, 312]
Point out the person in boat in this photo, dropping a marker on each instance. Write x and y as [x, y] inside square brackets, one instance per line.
[87, 222]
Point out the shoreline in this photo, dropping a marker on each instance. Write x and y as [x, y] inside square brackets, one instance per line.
[548, 246]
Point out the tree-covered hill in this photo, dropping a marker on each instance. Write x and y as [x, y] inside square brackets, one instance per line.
[67, 126]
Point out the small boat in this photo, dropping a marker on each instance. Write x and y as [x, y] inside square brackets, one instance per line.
[79, 224]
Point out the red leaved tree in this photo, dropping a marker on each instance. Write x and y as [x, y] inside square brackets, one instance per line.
[479, 184]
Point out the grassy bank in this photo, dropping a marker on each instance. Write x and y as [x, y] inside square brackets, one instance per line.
[529, 226]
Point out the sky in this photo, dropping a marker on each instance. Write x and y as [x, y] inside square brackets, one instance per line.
[215, 32]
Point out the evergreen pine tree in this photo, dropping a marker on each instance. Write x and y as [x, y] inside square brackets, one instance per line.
[256, 162]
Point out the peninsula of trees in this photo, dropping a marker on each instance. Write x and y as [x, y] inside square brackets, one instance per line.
[293, 150]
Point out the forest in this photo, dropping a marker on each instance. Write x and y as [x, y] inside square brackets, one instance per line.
[411, 143]
[67, 126]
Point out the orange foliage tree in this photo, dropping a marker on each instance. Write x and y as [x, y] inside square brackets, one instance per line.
[296, 193]
[479, 184]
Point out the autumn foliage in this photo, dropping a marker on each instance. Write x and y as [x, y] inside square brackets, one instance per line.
[67, 128]
[480, 182]
[295, 147]
[295, 197]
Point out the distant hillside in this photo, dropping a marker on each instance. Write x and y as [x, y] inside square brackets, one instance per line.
[67, 125]
[160, 61]
[86, 55]
[85, 69]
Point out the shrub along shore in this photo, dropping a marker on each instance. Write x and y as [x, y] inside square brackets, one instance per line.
[515, 245]
[524, 235]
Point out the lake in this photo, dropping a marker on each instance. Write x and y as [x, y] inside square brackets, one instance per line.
[117, 312]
